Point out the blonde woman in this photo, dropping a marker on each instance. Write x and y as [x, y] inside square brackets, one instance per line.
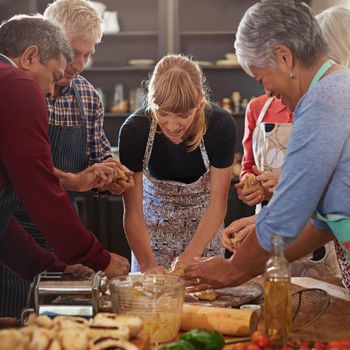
[180, 147]
[335, 24]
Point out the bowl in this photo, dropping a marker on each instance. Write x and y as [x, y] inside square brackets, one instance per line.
[252, 307]
[156, 299]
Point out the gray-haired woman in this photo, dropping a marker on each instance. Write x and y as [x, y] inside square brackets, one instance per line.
[280, 44]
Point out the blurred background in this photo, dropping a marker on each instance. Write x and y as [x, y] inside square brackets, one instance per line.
[137, 33]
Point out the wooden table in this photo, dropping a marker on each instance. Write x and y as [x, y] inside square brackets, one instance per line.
[333, 324]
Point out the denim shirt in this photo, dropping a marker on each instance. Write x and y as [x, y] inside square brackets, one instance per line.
[316, 172]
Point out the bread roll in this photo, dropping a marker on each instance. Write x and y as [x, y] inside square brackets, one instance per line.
[248, 183]
[70, 322]
[208, 294]
[42, 321]
[11, 339]
[73, 339]
[120, 331]
[120, 176]
[114, 345]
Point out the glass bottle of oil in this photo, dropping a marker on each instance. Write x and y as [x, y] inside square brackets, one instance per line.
[277, 292]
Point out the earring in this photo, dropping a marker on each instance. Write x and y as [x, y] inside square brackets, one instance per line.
[291, 75]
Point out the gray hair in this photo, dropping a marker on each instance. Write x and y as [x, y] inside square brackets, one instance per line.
[278, 22]
[76, 16]
[335, 26]
[22, 31]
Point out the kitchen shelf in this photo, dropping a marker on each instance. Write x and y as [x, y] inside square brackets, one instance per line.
[131, 33]
[149, 68]
[206, 32]
[219, 67]
[119, 68]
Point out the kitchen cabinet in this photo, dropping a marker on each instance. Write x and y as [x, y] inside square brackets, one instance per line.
[206, 31]
[149, 29]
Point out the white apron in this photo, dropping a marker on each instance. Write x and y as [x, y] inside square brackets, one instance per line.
[172, 211]
[270, 141]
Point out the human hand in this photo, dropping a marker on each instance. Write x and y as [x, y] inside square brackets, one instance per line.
[208, 273]
[177, 267]
[97, 176]
[118, 266]
[268, 180]
[241, 235]
[251, 194]
[123, 179]
[155, 270]
[78, 269]
[236, 230]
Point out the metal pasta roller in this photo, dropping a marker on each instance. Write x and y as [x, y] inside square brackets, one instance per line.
[56, 293]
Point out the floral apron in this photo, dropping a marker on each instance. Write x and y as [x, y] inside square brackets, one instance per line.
[172, 210]
[270, 142]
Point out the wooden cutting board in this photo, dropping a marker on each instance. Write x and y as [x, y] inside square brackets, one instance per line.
[231, 297]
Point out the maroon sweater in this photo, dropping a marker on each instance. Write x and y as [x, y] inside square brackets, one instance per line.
[25, 161]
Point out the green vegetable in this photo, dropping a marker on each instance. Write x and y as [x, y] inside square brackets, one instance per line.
[179, 345]
[204, 340]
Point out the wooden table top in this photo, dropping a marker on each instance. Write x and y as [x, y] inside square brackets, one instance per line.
[333, 324]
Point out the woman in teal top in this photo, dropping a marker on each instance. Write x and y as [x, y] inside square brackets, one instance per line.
[280, 44]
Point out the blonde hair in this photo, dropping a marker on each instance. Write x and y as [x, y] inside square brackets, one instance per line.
[177, 85]
[335, 24]
[76, 16]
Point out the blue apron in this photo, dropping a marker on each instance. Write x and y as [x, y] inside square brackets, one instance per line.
[68, 148]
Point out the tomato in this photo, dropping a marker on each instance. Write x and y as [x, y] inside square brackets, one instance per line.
[255, 336]
[319, 346]
[252, 347]
[263, 341]
[304, 347]
[239, 346]
[286, 347]
[339, 343]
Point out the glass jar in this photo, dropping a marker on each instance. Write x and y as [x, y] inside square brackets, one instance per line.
[277, 292]
[156, 299]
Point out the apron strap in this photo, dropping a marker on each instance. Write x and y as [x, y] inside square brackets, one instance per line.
[149, 146]
[264, 109]
[7, 60]
[340, 226]
[322, 70]
[204, 155]
[148, 150]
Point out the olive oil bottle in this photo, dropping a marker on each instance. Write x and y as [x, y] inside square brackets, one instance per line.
[277, 292]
